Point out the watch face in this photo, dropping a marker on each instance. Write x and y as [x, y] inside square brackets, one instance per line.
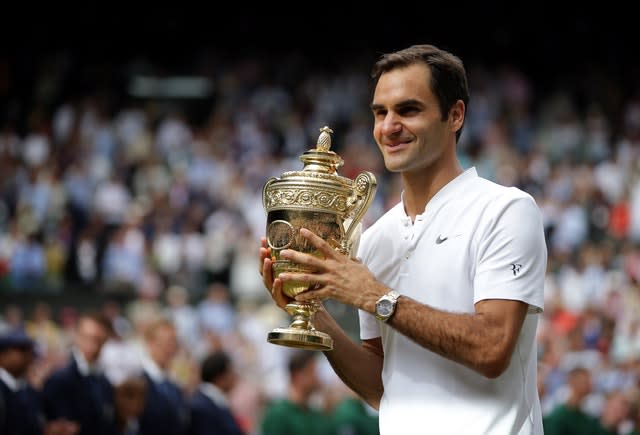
[384, 308]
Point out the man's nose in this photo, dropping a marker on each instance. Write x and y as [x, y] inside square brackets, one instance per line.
[390, 124]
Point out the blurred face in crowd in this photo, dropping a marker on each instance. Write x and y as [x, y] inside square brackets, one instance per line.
[130, 398]
[228, 380]
[162, 344]
[16, 360]
[580, 383]
[90, 337]
[616, 409]
[307, 378]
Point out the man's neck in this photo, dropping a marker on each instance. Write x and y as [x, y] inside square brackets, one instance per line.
[84, 366]
[298, 396]
[420, 186]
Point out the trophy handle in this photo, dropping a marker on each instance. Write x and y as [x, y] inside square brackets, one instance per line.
[264, 192]
[364, 189]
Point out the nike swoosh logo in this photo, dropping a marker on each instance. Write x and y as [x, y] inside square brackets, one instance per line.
[440, 239]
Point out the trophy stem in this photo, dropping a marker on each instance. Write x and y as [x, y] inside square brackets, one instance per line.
[301, 333]
[302, 315]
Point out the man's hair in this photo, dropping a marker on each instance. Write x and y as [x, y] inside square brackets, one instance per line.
[448, 75]
[155, 325]
[97, 317]
[214, 365]
[300, 359]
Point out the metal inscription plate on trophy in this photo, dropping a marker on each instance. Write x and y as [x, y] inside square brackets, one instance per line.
[331, 206]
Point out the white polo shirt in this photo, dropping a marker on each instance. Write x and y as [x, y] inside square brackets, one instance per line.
[475, 240]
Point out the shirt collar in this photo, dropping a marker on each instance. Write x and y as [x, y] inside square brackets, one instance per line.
[215, 394]
[13, 383]
[447, 190]
[152, 369]
[84, 367]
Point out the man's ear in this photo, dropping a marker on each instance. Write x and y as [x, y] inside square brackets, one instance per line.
[456, 115]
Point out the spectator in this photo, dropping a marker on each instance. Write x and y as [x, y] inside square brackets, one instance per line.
[295, 414]
[569, 418]
[165, 411]
[209, 405]
[80, 392]
[20, 406]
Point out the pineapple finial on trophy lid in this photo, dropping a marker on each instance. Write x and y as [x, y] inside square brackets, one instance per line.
[321, 158]
[324, 140]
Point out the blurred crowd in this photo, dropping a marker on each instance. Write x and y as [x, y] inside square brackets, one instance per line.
[153, 203]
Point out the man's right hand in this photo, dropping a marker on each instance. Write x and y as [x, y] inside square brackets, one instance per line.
[274, 286]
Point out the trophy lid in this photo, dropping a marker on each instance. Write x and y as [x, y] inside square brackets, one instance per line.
[317, 187]
[321, 158]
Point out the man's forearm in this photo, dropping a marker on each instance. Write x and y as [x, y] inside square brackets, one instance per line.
[359, 367]
[482, 341]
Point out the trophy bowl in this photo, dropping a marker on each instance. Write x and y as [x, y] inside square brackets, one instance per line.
[331, 206]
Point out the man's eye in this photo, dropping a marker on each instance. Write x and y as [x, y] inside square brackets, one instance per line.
[409, 111]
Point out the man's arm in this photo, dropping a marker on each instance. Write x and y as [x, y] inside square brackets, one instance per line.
[359, 366]
[482, 341]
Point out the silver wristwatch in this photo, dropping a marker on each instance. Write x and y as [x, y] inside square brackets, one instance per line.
[386, 306]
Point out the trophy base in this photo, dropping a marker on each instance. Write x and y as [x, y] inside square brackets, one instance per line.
[301, 338]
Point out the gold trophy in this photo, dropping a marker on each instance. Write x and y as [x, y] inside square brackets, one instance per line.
[331, 206]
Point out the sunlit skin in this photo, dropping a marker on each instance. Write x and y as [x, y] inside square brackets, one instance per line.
[417, 142]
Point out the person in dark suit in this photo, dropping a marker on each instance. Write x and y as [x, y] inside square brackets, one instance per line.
[210, 412]
[20, 405]
[129, 400]
[166, 411]
[80, 392]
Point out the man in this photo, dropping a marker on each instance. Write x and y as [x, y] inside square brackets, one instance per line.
[129, 395]
[209, 405]
[569, 418]
[165, 410]
[80, 392]
[20, 410]
[294, 415]
[450, 279]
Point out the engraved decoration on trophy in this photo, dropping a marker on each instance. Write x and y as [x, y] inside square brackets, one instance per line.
[331, 206]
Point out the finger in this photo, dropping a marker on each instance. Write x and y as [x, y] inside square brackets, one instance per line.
[310, 279]
[265, 253]
[310, 295]
[277, 295]
[319, 243]
[267, 272]
[308, 260]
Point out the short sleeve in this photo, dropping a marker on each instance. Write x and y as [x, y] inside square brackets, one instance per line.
[512, 254]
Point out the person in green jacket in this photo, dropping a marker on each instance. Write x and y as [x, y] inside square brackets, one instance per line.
[352, 416]
[569, 418]
[294, 415]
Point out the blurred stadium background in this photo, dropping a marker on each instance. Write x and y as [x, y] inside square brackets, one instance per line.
[133, 148]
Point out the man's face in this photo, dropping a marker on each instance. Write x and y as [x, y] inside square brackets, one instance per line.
[130, 397]
[163, 345]
[16, 360]
[408, 124]
[90, 337]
